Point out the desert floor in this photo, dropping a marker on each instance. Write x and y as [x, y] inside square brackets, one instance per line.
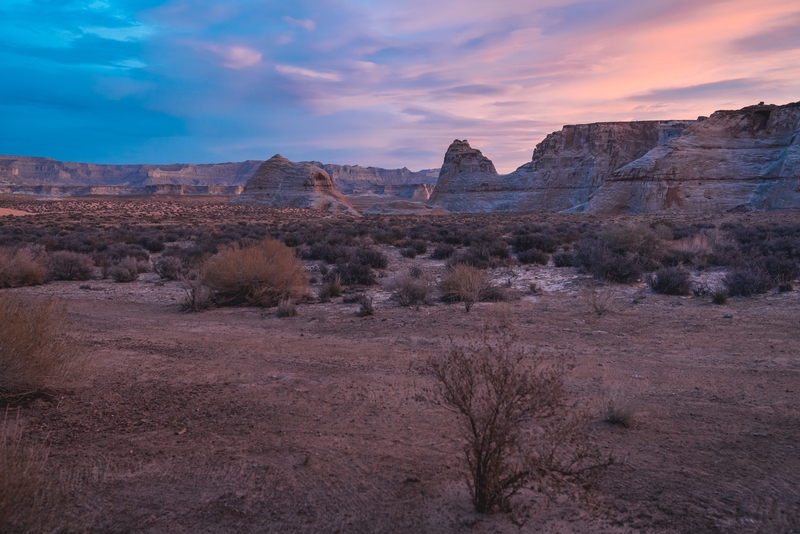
[234, 420]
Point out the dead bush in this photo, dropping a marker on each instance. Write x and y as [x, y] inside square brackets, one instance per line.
[198, 296]
[618, 407]
[747, 280]
[31, 500]
[365, 306]
[600, 300]
[66, 265]
[670, 281]
[410, 291]
[170, 267]
[518, 433]
[719, 295]
[36, 353]
[462, 283]
[261, 273]
[286, 308]
[20, 267]
[127, 270]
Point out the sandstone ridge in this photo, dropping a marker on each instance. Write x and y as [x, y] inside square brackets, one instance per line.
[748, 159]
[279, 182]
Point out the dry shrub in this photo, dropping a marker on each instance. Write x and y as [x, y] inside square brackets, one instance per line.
[410, 290]
[127, 270]
[20, 267]
[66, 265]
[198, 297]
[36, 353]
[599, 300]
[511, 412]
[286, 308]
[256, 274]
[618, 407]
[670, 281]
[719, 295]
[462, 283]
[330, 288]
[170, 267]
[31, 500]
[747, 280]
[365, 306]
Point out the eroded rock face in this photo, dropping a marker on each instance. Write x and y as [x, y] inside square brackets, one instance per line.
[566, 169]
[281, 183]
[357, 179]
[746, 159]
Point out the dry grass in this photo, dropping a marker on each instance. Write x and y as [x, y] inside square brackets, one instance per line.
[65, 265]
[31, 499]
[261, 274]
[36, 352]
[510, 404]
[599, 300]
[463, 283]
[20, 267]
[618, 407]
[410, 290]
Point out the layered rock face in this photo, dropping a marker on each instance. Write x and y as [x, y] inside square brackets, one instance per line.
[356, 179]
[37, 172]
[280, 183]
[747, 159]
[566, 169]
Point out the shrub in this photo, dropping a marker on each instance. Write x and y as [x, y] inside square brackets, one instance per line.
[786, 287]
[170, 268]
[125, 271]
[408, 253]
[670, 281]
[198, 296]
[365, 306]
[618, 408]
[533, 255]
[355, 274]
[747, 280]
[71, 266]
[719, 295]
[509, 401]
[462, 283]
[781, 269]
[593, 256]
[286, 308]
[259, 273]
[35, 351]
[410, 291]
[563, 259]
[543, 242]
[330, 288]
[443, 252]
[492, 293]
[20, 267]
[374, 258]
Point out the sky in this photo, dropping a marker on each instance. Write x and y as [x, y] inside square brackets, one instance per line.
[387, 83]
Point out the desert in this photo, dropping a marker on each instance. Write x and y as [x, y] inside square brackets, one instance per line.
[236, 419]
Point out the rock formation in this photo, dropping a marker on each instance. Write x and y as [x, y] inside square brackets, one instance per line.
[356, 179]
[279, 182]
[566, 168]
[746, 159]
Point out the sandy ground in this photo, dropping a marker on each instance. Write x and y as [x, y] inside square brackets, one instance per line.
[14, 213]
[233, 420]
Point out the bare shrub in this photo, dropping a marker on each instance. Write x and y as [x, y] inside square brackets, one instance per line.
[533, 255]
[462, 283]
[511, 412]
[31, 500]
[618, 407]
[20, 267]
[410, 291]
[286, 308]
[127, 270]
[719, 295]
[599, 300]
[71, 266]
[442, 252]
[36, 353]
[261, 273]
[670, 281]
[747, 280]
[563, 259]
[408, 252]
[198, 296]
[169, 268]
[365, 306]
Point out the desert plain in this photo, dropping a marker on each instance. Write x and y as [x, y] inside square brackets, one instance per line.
[232, 419]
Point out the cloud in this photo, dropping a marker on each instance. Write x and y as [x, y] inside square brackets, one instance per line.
[783, 35]
[722, 87]
[306, 24]
[291, 71]
[236, 57]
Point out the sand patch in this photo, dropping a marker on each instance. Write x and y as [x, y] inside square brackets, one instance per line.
[15, 213]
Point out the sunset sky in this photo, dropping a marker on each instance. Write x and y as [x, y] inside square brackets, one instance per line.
[387, 83]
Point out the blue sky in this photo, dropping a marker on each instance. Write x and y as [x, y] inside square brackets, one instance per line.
[387, 83]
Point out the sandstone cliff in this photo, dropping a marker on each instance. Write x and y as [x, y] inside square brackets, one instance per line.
[279, 182]
[747, 159]
[566, 169]
[357, 179]
[28, 171]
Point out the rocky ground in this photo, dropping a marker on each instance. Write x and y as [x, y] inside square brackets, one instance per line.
[235, 420]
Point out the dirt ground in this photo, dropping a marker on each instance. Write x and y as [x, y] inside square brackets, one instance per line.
[233, 420]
